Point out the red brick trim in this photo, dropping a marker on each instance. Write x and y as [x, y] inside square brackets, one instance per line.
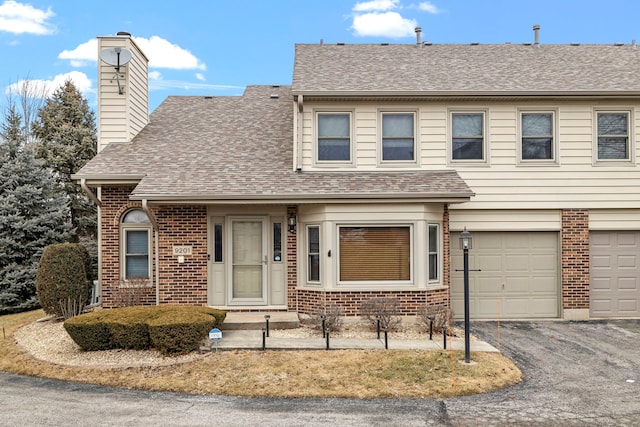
[575, 258]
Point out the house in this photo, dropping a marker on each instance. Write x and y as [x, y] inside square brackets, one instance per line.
[356, 180]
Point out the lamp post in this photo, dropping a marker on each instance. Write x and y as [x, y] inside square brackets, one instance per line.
[465, 245]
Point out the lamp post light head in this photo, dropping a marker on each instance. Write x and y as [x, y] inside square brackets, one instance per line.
[466, 240]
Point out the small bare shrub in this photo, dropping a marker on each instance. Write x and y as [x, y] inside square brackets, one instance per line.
[131, 291]
[385, 309]
[333, 317]
[441, 315]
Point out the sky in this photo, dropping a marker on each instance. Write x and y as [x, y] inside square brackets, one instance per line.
[218, 47]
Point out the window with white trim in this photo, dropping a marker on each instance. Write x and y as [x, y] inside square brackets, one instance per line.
[434, 252]
[334, 137]
[398, 140]
[374, 253]
[613, 141]
[537, 129]
[136, 245]
[467, 136]
[313, 253]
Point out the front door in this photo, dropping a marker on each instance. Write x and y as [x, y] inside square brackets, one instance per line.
[248, 261]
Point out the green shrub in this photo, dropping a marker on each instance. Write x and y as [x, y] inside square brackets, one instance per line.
[181, 331]
[169, 329]
[90, 331]
[62, 284]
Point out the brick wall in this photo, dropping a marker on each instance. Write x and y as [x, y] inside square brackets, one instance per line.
[184, 283]
[575, 258]
[312, 301]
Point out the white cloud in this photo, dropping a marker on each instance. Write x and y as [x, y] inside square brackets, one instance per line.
[82, 55]
[161, 54]
[428, 7]
[21, 18]
[79, 79]
[201, 77]
[375, 5]
[179, 84]
[155, 75]
[388, 24]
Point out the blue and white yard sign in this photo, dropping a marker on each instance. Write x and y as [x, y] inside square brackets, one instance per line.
[215, 335]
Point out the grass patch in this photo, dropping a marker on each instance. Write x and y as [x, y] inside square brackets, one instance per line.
[273, 373]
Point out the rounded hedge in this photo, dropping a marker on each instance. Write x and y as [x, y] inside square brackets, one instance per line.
[170, 329]
[62, 285]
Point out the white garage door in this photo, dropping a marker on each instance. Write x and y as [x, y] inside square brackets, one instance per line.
[615, 279]
[519, 277]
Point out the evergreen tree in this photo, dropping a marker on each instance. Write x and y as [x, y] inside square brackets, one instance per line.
[33, 214]
[66, 139]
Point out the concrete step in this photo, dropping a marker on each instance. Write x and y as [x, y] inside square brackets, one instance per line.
[257, 321]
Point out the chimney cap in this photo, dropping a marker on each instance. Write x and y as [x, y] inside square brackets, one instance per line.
[123, 33]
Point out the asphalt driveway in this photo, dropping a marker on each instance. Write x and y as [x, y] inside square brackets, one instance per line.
[576, 373]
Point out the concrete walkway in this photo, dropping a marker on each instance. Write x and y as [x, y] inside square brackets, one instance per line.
[244, 330]
[253, 340]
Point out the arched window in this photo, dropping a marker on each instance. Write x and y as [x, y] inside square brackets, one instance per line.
[136, 245]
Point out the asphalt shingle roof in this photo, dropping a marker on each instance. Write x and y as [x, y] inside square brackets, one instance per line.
[466, 69]
[221, 148]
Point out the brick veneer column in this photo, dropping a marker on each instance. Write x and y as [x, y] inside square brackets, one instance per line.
[575, 259]
[446, 248]
[292, 260]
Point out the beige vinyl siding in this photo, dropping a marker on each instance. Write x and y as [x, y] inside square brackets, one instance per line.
[600, 219]
[574, 180]
[121, 117]
[507, 220]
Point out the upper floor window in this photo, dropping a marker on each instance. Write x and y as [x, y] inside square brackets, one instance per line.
[136, 244]
[398, 142]
[537, 136]
[467, 136]
[334, 137]
[613, 135]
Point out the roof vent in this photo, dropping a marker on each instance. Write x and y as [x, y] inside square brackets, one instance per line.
[427, 43]
[384, 44]
[536, 37]
[123, 33]
[575, 44]
[418, 32]
[618, 44]
[474, 43]
[274, 96]
[526, 44]
[340, 43]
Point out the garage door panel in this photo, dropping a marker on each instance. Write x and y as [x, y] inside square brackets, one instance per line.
[628, 306]
[544, 262]
[516, 263]
[627, 261]
[629, 284]
[601, 261]
[489, 263]
[627, 240]
[525, 262]
[544, 285]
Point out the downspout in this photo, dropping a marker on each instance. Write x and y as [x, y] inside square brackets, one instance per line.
[95, 199]
[154, 223]
[299, 133]
[89, 193]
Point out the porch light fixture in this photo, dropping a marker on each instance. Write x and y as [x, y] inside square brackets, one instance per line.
[292, 223]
